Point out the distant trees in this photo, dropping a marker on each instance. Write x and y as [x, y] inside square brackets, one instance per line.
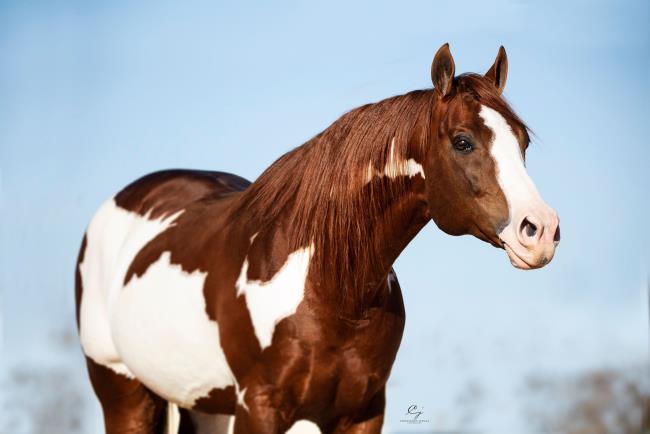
[600, 402]
[46, 396]
[42, 400]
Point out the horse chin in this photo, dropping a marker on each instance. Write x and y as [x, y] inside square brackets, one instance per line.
[517, 261]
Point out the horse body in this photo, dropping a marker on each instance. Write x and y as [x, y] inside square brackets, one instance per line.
[149, 311]
[275, 302]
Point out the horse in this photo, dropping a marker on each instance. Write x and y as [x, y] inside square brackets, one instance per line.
[209, 304]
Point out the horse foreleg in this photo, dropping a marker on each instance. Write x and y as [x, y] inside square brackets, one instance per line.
[259, 411]
[368, 422]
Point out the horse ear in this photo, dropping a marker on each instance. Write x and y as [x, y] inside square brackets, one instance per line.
[498, 73]
[442, 70]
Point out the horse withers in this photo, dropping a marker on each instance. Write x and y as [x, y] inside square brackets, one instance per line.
[266, 306]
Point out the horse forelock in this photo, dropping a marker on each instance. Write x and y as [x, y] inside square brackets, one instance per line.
[486, 94]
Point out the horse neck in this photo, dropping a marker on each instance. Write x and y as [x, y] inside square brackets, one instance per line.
[355, 192]
[400, 219]
[402, 210]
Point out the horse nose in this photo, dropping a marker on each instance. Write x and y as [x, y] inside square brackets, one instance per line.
[556, 236]
[530, 231]
[533, 230]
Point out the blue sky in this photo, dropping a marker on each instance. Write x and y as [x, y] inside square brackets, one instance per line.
[95, 94]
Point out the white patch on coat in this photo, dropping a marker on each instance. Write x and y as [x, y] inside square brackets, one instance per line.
[241, 396]
[270, 302]
[113, 238]
[304, 427]
[517, 187]
[165, 337]
[156, 328]
[395, 166]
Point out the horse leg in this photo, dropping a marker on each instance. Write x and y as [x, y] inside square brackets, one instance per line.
[128, 406]
[258, 411]
[196, 422]
[368, 422]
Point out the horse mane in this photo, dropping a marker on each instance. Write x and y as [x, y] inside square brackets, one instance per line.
[320, 186]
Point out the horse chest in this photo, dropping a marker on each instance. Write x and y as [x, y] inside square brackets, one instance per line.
[348, 368]
[372, 352]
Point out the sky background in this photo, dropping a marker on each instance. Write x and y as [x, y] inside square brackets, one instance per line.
[96, 94]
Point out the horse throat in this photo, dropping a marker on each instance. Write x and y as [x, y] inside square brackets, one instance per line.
[356, 273]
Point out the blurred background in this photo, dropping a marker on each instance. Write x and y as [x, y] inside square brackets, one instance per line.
[94, 94]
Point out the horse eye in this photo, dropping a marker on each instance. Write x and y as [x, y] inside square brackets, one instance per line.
[462, 144]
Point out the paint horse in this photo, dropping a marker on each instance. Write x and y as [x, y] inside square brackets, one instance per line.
[272, 306]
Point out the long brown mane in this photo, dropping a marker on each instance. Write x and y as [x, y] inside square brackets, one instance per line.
[319, 186]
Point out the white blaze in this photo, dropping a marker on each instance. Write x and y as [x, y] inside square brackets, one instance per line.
[519, 190]
[269, 302]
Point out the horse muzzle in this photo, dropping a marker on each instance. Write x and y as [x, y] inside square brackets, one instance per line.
[531, 239]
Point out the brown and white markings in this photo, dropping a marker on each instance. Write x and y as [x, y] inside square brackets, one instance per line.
[266, 306]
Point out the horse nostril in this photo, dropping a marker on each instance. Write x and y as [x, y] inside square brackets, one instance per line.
[528, 228]
[556, 237]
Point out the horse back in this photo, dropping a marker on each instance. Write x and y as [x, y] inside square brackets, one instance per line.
[165, 192]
